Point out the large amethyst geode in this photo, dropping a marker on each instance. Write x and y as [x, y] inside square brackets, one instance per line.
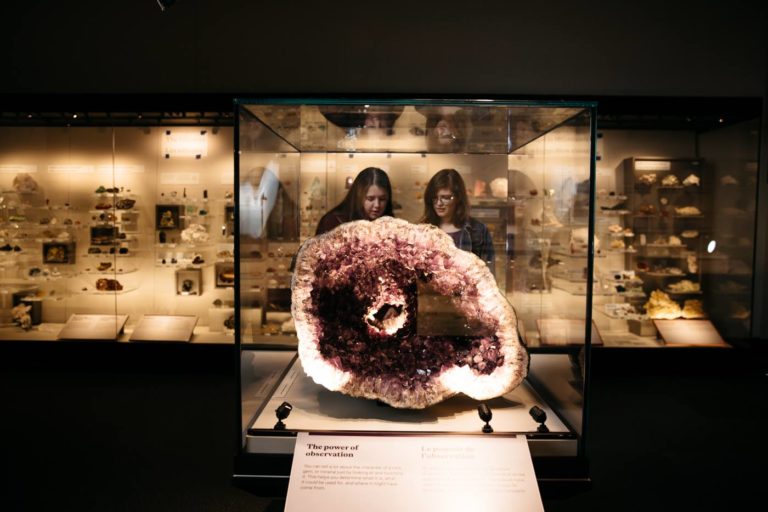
[356, 307]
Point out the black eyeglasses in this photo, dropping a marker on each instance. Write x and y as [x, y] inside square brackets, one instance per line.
[443, 199]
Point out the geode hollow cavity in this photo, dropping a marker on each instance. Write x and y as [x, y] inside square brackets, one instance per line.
[356, 301]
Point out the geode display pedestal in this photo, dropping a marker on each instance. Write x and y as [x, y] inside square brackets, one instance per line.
[355, 302]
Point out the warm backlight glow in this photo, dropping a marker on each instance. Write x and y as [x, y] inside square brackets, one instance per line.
[185, 144]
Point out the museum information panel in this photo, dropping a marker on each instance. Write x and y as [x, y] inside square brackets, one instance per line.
[411, 473]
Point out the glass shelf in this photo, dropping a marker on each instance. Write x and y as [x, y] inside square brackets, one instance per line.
[180, 265]
[184, 247]
[109, 272]
[106, 292]
[131, 254]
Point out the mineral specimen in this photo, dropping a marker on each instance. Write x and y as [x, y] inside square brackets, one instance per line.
[356, 305]
[125, 204]
[684, 286]
[24, 183]
[480, 188]
[693, 309]
[673, 240]
[195, 234]
[110, 285]
[688, 210]
[692, 181]
[670, 180]
[661, 306]
[499, 188]
[692, 261]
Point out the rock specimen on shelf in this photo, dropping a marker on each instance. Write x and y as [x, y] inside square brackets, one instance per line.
[662, 307]
[674, 240]
[108, 285]
[692, 181]
[693, 309]
[480, 188]
[195, 234]
[24, 183]
[355, 304]
[226, 276]
[125, 203]
[688, 211]
[499, 188]
[692, 262]
[644, 182]
[684, 286]
[670, 180]
[740, 312]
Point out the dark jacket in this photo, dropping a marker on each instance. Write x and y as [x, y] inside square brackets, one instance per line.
[331, 220]
[475, 238]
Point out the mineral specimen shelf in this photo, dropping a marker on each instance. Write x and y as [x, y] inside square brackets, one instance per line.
[69, 218]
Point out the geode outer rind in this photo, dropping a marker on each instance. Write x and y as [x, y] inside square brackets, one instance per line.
[354, 307]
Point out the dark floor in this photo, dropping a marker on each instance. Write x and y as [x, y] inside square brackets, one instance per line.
[150, 428]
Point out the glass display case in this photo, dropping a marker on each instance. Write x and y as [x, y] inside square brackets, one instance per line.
[676, 222]
[528, 170]
[116, 226]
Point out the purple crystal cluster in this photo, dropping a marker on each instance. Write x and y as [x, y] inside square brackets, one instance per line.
[351, 342]
[356, 304]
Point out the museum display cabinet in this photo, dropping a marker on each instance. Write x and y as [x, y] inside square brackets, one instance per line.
[131, 215]
[529, 174]
[116, 226]
[676, 219]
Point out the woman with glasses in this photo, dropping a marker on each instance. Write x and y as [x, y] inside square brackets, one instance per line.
[446, 205]
[369, 198]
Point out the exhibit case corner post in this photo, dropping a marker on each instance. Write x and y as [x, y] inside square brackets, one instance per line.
[117, 226]
[325, 320]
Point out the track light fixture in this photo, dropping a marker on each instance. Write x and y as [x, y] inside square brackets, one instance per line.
[486, 415]
[165, 4]
[282, 412]
[539, 416]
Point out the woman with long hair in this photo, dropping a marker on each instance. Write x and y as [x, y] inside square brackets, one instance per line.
[446, 206]
[369, 198]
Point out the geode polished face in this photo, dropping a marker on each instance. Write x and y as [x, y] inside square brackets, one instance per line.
[358, 301]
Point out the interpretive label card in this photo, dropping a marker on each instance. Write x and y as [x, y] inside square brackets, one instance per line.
[93, 327]
[412, 473]
[164, 328]
[689, 332]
